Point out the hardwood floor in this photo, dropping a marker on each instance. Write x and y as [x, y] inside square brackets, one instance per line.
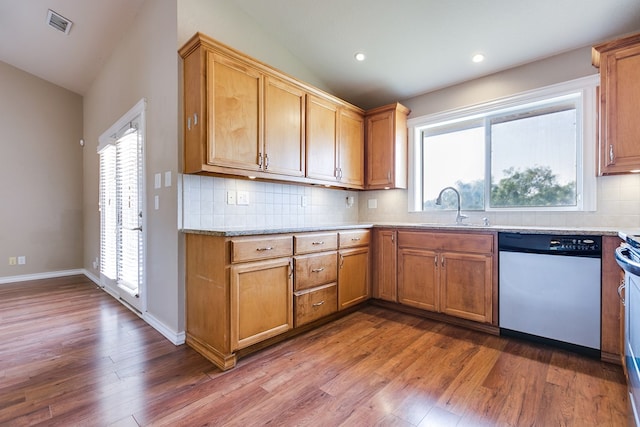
[72, 355]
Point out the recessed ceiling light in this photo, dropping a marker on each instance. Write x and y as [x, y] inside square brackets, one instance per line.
[359, 56]
[478, 57]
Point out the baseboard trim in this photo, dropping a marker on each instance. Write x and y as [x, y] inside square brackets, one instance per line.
[39, 276]
[177, 338]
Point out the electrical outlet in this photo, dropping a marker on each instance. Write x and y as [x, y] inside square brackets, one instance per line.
[22, 260]
[243, 198]
[13, 260]
[231, 197]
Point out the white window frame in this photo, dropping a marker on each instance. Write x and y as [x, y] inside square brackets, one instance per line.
[586, 135]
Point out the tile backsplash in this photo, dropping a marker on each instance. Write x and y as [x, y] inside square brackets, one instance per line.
[271, 205]
[277, 205]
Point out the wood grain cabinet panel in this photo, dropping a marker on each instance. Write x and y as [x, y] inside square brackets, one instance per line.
[314, 304]
[315, 242]
[450, 273]
[385, 269]
[234, 114]
[315, 269]
[419, 279]
[351, 148]
[261, 301]
[245, 118]
[612, 324]
[284, 128]
[322, 139]
[354, 285]
[619, 144]
[386, 147]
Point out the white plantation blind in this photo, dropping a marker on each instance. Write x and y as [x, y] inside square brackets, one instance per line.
[129, 179]
[121, 203]
[108, 219]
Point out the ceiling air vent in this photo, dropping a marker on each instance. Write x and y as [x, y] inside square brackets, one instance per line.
[59, 22]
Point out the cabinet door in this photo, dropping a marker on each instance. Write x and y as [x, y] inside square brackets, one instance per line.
[351, 148]
[261, 301]
[284, 113]
[385, 283]
[321, 141]
[380, 150]
[353, 277]
[418, 275]
[234, 112]
[620, 94]
[386, 147]
[466, 284]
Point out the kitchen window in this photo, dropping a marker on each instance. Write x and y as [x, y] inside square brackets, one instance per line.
[533, 151]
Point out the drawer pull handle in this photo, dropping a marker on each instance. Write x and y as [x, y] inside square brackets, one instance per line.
[268, 248]
[318, 270]
[355, 239]
[318, 304]
[318, 243]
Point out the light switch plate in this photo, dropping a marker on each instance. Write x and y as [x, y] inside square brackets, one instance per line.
[167, 179]
[158, 181]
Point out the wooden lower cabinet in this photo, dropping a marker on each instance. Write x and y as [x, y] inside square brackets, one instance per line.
[418, 279]
[261, 304]
[353, 277]
[243, 293]
[450, 273]
[385, 268]
[238, 293]
[612, 316]
[313, 304]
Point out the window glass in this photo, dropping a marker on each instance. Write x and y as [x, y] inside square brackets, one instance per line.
[454, 159]
[527, 152]
[533, 159]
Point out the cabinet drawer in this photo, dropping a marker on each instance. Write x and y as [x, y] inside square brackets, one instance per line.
[457, 242]
[316, 242]
[350, 239]
[251, 249]
[316, 269]
[316, 303]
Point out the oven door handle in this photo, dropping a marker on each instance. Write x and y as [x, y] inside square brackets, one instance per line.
[624, 260]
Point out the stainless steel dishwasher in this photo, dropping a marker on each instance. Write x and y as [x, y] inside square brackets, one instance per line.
[550, 289]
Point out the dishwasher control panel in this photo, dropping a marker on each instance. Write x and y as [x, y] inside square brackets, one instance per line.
[571, 245]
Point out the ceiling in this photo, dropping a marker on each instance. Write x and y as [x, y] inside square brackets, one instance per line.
[412, 46]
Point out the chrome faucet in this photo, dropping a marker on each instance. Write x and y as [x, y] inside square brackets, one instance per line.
[459, 217]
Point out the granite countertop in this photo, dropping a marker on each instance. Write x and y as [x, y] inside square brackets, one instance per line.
[243, 231]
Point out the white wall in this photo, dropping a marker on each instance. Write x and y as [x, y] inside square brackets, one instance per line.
[40, 175]
[143, 65]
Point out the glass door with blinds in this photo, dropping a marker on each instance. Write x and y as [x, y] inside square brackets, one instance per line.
[122, 209]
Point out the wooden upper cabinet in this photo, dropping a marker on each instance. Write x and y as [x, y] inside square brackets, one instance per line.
[284, 128]
[619, 145]
[244, 118]
[386, 147]
[235, 119]
[322, 139]
[351, 148]
[335, 143]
